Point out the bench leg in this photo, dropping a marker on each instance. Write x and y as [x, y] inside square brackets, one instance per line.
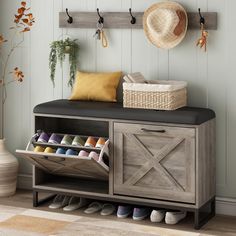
[37, 202]
[204, 214]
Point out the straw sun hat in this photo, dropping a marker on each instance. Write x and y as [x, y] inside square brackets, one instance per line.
[165, 24]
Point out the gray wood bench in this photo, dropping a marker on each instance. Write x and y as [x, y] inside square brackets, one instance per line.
[156, 158]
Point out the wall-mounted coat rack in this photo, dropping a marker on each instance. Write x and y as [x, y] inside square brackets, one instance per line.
[122, 20]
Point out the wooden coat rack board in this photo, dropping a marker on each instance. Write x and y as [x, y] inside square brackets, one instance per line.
[122, 20]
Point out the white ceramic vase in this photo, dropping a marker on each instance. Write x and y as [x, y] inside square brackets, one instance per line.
[8, 171]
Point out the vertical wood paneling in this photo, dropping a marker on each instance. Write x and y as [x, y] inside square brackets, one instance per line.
[90, 57]
[80, 35]
[145, 57]
[211, 75]
[230, 99]
[24, 103]
[200, 97]
[217, 70]
[14, 119]
[109, 59]
[183, 60]
[41, 37]
[57, 34]
[126, 42]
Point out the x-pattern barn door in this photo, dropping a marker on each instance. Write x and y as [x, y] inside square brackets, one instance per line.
[155, 165]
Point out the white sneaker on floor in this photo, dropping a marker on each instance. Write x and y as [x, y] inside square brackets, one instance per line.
[157, 215]
[59, 201]
[174, 217]
[75, 203]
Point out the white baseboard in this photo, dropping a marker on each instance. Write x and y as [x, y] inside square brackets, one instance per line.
[24, 182]
[224, 206]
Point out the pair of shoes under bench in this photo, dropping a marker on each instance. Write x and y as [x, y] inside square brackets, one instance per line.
[68, 203]
[138, 213]
[171, 217]
[106, 209]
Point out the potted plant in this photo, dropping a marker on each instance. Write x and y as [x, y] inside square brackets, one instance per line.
[23, 20]
[59, 50]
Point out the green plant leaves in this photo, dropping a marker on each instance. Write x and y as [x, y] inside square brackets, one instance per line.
[58, 52]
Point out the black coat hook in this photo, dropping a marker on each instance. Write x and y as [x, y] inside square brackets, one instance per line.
[133, 20]
[202, 19]
[70, 19]
[101, 19]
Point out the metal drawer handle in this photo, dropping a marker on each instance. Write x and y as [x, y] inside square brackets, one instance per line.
[152, 130]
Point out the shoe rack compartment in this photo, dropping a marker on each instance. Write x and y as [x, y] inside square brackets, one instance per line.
[72, 126]
[65, 184]
[68, 165]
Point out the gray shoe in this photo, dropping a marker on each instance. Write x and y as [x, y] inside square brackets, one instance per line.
[124, 211]
[108, 209]
[60, 201]
[76, 203]
[141, 213]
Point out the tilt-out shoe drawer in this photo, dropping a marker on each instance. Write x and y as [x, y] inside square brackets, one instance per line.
[68, 165]
[72, 166]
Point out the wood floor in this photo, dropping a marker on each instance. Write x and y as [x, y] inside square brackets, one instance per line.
[219, 225]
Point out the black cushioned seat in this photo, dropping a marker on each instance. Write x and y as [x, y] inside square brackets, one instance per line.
[186, 115]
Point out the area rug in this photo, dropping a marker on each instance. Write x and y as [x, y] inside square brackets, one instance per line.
[30, 222]
[33, 224]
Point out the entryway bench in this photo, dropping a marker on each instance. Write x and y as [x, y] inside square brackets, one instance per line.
[154, 158]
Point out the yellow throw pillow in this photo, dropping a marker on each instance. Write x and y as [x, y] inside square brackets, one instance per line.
[96, 86]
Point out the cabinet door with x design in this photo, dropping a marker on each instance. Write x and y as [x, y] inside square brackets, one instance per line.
[156, 162]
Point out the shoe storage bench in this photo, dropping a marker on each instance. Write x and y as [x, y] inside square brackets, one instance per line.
[160, 159]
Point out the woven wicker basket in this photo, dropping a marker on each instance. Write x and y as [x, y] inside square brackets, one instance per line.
[158, 95]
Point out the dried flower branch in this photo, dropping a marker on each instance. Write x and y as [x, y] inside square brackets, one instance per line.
[2, 40]
[23, 20]
[202, 42]
[18, 74]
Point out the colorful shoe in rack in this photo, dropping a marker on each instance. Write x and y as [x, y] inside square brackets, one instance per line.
[43, 138]
[61, 151]
[94, 155]
[100, 143]
[83, 153]
[49, 150]
[78, 141]
[91, 142]
[39, 149]
[67, 140]
[71, 152]
[54, 139]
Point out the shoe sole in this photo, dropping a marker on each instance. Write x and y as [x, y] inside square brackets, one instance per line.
[156, 221]
[107, 214]
[123, 216]
[55, 207]
[173, 222]
[70, 209]
[140, 218]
